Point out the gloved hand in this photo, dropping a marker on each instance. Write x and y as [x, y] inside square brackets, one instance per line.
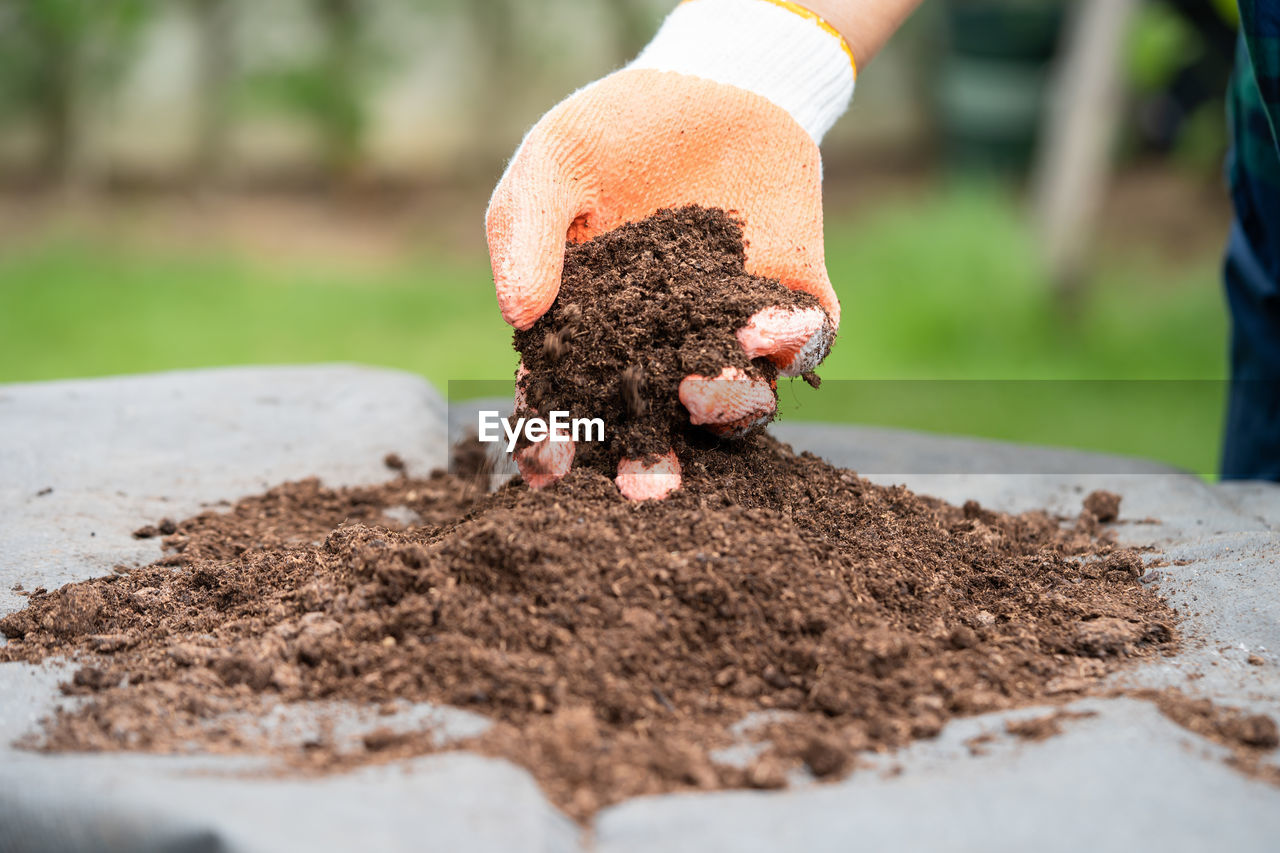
[724, 108]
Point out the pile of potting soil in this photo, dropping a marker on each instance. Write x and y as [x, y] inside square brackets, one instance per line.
[615, 645]
[639, 309]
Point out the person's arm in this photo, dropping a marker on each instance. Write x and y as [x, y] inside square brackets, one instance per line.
[865, 24]
[724, 108]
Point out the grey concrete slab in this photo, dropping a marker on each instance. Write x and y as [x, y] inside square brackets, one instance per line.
[448, 802]
[82, 462]
[1125, 780]
[121, 452]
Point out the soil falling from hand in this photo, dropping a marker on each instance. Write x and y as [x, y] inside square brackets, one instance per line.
[639, 309]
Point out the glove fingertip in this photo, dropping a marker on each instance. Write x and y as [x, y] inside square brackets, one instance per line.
[649, 479]
[526, 224]
[544, 463]
[813, 352]
[794, 339]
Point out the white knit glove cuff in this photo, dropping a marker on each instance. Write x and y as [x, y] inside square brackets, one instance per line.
[772, 48]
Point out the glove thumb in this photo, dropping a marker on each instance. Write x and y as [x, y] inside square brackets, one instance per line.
[528, 220]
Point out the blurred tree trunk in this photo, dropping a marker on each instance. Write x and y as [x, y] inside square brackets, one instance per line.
[54, 29]
[215, 67]
[344, 120]
[77, 49]
[498, 88]
[1070, 181]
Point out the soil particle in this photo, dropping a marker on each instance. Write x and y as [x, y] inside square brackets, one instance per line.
[1040, 728]
[977, 745]
[383, 738]
[826, 757]
[1109, 636]
[639, 309]
[1104, 505]
[87, 679]
[165, 527]
[470, 462]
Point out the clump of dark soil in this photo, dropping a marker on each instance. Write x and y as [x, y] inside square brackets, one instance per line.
[639, 309]
[1104, 505]
[615, 645]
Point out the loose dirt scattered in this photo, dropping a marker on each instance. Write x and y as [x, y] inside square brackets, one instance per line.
[1042, 728]
[1249, 737]
[615, 645]
[639, 309]
[1227, 726]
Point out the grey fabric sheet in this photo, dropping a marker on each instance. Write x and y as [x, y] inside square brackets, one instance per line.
[121, 452]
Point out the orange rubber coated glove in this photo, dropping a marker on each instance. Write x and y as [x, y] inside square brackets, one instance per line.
[725, 108]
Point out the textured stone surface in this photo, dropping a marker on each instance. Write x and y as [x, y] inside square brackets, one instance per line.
[1124, 780]
[122, 452]
[84, 463]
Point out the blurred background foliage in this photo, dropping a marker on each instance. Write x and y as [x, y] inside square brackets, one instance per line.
[190, 183]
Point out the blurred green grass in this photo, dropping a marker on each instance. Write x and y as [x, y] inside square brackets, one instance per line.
[946, 287]
[954, 291]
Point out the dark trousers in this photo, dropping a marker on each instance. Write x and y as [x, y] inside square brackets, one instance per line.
[1251, 444]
